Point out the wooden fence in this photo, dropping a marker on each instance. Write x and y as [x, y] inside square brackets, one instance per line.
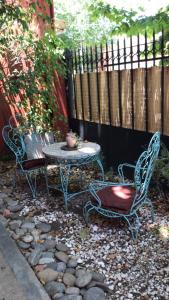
[136, 107]
[122, 86]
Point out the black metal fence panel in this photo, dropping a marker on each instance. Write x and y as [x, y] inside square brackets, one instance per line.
[120, 89]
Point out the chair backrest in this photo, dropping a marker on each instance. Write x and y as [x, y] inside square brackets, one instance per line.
[34, 143]
[144, 169]
[14, 141]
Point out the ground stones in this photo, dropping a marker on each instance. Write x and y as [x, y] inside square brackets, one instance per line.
[94, 293]
[83, 279]
[58, 271]
[47, 275]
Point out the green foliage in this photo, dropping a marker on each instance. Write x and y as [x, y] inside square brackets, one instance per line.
[121, 19]
[95, 21]
[84, 233]
[129, 21]
[80, 26]
[28, 64]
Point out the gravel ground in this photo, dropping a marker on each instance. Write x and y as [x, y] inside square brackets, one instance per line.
[132, 269]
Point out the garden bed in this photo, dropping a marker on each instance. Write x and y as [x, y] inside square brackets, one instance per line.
[71, 259]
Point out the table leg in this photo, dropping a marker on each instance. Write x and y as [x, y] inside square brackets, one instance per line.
[64, 176]
[101, 167]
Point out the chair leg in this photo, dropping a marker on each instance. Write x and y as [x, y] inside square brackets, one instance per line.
[152, 209]
[46, 180]
[88, 208]
[138, 224]
[31, 184]
[64, 176]
[16, 177]
[15, 174]
[134, 229]
[130, 228]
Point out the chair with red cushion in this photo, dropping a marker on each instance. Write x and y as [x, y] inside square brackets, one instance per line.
[123, 200]
[30, 168]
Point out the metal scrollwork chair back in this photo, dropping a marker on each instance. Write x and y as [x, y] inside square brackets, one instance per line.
[124, 199]
[30, 168]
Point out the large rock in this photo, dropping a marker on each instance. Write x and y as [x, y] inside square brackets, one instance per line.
[99, 284]
[80, 272]
[47, 275]
[57, 296]
[27, 238]
[44, 227]
[72, 263]
[62, 256]
[23, 245]
[61, 267]
[36, 234]
[83, 279]
[70, 270]
[71, 297]
[4, 221]
[48, 254]
[94, 293]
[72, 291]
[16, 207]
[97, 276]
[34, 257]
[50, 244]
[69, 279]
[53, 266]
[10, 202]
[46, 260]
[62, 247]
[20, 231]
[54, 287]
[28, 225]
[14, 225]
[37, 246]
[3, 196]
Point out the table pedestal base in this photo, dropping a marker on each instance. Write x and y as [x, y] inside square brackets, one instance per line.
[65, 172]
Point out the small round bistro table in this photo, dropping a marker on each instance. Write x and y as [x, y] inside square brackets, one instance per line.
[86, 153]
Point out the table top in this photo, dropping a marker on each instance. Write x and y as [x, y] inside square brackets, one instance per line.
[86, 149]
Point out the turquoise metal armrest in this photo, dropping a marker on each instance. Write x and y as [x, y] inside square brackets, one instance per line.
[120, 170]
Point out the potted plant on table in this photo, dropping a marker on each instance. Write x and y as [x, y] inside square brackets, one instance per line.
[72, 140]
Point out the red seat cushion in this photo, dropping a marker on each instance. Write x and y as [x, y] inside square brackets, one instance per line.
[117, 198]
[33, 163]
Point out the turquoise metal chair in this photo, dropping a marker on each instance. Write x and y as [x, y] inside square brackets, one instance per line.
[28, 167]
[124, 199]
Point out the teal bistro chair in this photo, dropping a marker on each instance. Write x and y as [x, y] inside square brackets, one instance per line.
[28, 167]
[122, 199]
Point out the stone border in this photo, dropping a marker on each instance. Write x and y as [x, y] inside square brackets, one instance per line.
[32, 288]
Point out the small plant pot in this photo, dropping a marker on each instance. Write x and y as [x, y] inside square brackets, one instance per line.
[71, 141]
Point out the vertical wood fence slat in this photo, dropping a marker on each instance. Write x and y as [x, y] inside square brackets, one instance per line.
[94, 97]
[114, 98]
[154, 98]
[104, 99]
[85, 91]
[138, 99]
[78, 97]
[166, 100]
[126, 101]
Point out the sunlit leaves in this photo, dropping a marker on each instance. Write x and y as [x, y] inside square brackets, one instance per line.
[29, 63]
[94, 21]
